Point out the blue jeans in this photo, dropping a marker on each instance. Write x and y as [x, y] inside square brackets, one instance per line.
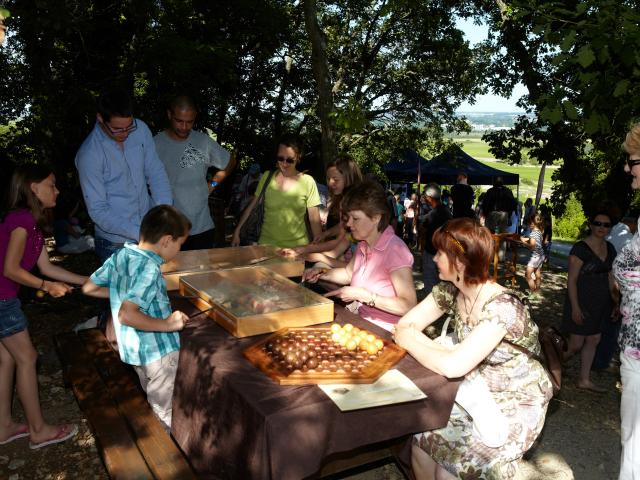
[106, 248]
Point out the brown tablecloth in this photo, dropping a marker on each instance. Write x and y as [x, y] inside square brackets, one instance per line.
[233, 422]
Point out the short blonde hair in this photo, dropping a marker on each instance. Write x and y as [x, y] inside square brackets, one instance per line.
[631, 143]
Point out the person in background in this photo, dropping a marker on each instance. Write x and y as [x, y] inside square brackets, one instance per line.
[529, 210]
[342, 175]
[626, 270]
[24, 220]
[399, 215]
[67, 231]
[120, 173]
[289, 196]
[145, 326]
[187, 155]
[533, 241]
[378, 280]
[488, 320]
[462, 196]
[590, 300]
[411, 208]
[497, 205]
[547, 231]
[437, 216]
[623, 231]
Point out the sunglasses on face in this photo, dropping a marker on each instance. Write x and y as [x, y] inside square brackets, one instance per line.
[632, 163]
[289, 160]
[601, 224]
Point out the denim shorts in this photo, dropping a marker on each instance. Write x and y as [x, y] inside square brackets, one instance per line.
[12, 319]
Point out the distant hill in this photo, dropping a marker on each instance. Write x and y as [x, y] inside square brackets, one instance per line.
[482, 121]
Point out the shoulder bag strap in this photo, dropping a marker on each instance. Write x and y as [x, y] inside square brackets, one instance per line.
[264, 187]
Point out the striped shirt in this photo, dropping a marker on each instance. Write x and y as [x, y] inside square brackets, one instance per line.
[134, 274]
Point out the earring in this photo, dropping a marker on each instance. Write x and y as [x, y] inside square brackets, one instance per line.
[457, 278]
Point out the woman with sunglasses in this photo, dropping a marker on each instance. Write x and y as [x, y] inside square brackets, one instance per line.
[289, 197]
[626, 270]
[590, 299]
[489, 321]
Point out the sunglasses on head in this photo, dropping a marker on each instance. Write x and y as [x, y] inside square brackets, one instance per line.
[601, 224]
[288, 160]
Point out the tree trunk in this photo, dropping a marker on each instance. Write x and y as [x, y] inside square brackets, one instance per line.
[320, 67]
[540, 183]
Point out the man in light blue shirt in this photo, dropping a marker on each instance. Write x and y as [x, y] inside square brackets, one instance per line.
[120, 173]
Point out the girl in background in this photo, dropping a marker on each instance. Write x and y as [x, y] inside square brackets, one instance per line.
[32, 193]
[535, 225]
[342, 175]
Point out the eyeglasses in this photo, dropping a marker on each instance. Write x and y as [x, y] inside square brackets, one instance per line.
[601, 224]
[288, 160]
[455, 240]
[632, 163]
[120, 131]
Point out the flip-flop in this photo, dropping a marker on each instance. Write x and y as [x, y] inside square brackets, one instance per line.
[594, 389]
[65, 432]
[22, 432]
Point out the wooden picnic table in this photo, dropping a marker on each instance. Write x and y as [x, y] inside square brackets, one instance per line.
[232, 421]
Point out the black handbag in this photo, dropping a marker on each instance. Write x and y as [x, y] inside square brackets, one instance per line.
[250, 230]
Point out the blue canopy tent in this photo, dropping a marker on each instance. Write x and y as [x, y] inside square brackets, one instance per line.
[444, 168]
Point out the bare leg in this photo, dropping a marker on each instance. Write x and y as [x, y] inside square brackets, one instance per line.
[424, 467]
[530, 281]
[7, 370]
[586, 357]
[538, 278]
[575, 345]
[19, 346]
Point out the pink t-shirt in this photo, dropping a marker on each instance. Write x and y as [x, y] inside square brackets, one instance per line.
[32, 249]
[372, 270]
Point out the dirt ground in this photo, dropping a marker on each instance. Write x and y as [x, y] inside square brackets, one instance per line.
[581, 438]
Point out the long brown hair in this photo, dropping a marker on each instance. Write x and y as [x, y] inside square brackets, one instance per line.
[465, 240]
[20, 196]
[349, 169]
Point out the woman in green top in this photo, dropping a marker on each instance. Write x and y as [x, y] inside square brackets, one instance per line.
[288, 197]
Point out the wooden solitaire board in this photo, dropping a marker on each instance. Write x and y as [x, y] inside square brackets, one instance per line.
[336, 364]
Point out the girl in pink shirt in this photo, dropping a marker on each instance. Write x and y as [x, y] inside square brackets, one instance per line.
[378, 279]
[32, 193]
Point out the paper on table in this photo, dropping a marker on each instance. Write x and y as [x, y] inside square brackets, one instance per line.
[392, 387]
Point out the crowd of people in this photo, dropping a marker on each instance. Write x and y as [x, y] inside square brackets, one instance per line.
[147, 197]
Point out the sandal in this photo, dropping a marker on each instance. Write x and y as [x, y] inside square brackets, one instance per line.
[23, 431]
[64, 432]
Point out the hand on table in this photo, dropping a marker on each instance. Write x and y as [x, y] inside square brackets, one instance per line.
[312, 275]
[57, 289]
[235, 240]
[291, 252]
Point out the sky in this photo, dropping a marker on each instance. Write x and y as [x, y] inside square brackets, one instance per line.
[487, 103]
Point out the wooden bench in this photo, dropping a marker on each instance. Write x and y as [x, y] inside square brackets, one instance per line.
[130, 439]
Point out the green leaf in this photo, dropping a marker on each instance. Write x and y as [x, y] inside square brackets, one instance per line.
[621, 88]
[570, 110]
[552, 114]
[592, 125]
[585, 56]
[568, 41]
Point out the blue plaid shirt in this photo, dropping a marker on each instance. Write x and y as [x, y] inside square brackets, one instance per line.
[134, 274]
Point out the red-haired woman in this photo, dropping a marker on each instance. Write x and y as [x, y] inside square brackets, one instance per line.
[487, 319]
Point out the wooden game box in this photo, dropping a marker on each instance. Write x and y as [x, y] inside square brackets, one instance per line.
[199, 261]
[336, 364]
[255, 300]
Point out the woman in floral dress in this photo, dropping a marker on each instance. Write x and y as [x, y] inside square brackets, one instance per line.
[626, 270]
[486, 317]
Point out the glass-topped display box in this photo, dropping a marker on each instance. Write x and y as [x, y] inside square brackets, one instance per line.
[255, 300]
[198, 261]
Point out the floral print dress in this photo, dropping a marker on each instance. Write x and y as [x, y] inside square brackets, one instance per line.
[519, 385]
[626, 270]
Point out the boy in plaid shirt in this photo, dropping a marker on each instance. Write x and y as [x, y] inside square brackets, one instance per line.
[145, 326]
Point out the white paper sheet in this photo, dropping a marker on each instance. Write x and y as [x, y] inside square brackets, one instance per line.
[392, 387]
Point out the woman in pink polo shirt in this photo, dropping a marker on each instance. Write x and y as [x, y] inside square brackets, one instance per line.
[378, 280]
